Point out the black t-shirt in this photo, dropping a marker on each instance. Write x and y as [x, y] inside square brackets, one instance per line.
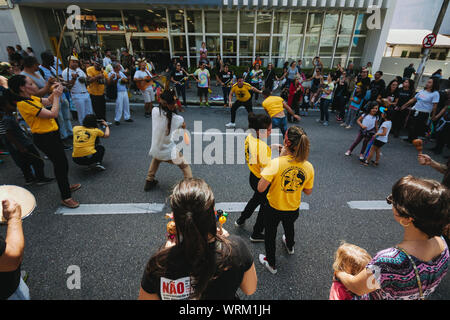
[365, 82]
[9, 281]
[176, 283]
[376, 88]
[387, 94]
[403, 97]
[226, 77]
[407, 73]
[270, 77]
[178, 75]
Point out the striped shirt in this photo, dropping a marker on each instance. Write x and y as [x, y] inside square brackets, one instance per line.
[2, 128]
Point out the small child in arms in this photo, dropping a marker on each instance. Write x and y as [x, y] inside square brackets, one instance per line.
[350, 259]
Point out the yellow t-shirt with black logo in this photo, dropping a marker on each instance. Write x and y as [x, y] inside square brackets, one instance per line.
[288, 178]
[30, 111]
[95, 88]
[273, 105]
[257, 154]
[84, 141]
[242, 94]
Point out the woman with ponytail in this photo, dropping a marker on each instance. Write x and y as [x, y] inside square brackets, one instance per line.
[202, 264]
[165, 121]
[288, 176]
[258, 155]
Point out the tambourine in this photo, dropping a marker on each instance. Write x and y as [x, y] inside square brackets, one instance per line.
[22, 196]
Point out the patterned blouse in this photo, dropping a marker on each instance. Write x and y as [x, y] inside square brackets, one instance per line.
[397, 278]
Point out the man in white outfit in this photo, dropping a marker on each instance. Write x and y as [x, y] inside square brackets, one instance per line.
[142, 77]
[122, 102]
[80, 96]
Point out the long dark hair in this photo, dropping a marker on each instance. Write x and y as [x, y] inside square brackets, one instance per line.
[192, 202]
[389, 87]
[169, 99]
[14, 84]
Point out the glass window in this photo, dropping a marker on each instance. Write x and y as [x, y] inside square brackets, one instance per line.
[279, 46]
[212, 19]
[179, 45]
[229, 19]
[245, 62]
[330, 24]
[246, 46]
[229, 45]
[194, 20]
[314, 23]
[311, 46]
[264, 22]
[347, 23]
[146, 20]
[281, 22]
[342, 47]
[298, 20]
[361, 24]
[195, 43]
[176, 18]
[327, 45]
[213, 45]
[247, 22]
[262, 46]
[358, 46]
[295, 47]
[326, 62]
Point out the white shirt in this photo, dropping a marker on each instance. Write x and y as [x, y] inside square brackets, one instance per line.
[142, 74]
[163, 147]
[388, 126]
[369, 121]
[78, 87]
[120, 87]
[425, 101]
[106, 62]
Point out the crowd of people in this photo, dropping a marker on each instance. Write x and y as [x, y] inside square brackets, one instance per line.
[39, 103]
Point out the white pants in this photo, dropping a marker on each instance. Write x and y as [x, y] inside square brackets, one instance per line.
[83, 104]
[148, 94]
[122, 106]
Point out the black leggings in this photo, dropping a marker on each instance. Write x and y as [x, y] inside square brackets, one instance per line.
[237, 104]
[258, 199]
[181, 91]
[31, 158]
[91, 159]
[272, 219]
[417, 125]
[51, 145]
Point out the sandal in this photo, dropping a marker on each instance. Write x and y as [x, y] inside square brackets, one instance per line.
[75, 187]
[366, 163]
[70, 203]
[375, 164]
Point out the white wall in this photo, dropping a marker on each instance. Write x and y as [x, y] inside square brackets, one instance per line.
[8, 34]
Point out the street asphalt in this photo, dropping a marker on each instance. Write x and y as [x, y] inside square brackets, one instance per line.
[112, 250]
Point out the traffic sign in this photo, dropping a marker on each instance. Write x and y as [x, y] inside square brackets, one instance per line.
[429, 41]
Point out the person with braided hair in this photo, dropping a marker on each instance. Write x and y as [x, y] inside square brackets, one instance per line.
[288, 176]
[165, 121]
[202, 263]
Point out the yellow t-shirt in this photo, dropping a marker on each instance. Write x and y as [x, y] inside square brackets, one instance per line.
[288, 179]
[84, 141]
[95, 88]
[242, 94]
[30, 111]
[257, 154]
[273, 105]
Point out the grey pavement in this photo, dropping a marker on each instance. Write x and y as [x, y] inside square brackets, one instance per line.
[112, 250]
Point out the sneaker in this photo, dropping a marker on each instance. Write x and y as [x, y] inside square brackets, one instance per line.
[99, 167]
[325, 124]
[239, 222]
[44, 180]
[75, 187]
[290, 251]
[207, 104]
[117, 123]
[361, 158]
[343, 124]
[319, 121]
[202, 104]
[150, 184]
[257, 238]
[230, 125]
[348, 153]
[70, 203]
[348, 127]
[129, 120]
[265, 263]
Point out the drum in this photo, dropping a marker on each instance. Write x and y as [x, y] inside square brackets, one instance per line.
[22, 196]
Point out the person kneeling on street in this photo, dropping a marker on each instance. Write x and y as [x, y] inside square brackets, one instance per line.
[86, 150]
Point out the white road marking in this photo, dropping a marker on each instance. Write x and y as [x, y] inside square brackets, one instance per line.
[143, 208]
[369, 205]
[227, 133]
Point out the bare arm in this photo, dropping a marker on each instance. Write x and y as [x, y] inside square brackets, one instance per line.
[249, 281]
[290, 111]
[263, 185]
[362, 283]
[54, 111]
[11, 259]
[143, 295]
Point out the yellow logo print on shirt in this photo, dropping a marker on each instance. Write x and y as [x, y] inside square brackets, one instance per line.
[82, 136]
[292, 179]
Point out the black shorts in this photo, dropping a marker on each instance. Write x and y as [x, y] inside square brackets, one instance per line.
[202, 92]
[378, 143]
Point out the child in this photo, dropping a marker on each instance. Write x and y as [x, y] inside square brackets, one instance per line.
[352, 260]
[258, 155]
[288, 176]
[381, 138]
[355, 104]
[305, 103]
[368, 127]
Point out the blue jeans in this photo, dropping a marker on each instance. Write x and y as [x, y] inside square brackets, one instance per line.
[280, 123]
[22, 292]
[324, 106]
[351, 117]
[64, 116]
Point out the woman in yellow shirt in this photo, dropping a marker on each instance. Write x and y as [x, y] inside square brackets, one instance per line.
[258, 155]
[288, 176]
[45, 130]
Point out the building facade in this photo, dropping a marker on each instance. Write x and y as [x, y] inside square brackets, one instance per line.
[238, 30]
